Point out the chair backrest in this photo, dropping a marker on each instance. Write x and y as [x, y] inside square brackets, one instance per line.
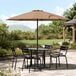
[49, 46]
[25, 51]
[13, 51]
[63, 50]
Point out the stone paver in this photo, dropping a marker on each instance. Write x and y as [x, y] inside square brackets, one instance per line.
[62, 71]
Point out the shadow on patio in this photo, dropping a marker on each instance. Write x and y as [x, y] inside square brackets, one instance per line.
[53, 67]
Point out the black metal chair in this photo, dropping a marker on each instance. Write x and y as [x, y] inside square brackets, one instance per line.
[14, 59]
[47, 54]
[62, 53]
[56, 56]
[27, 57]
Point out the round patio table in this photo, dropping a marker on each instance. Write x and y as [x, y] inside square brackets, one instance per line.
[39, 49]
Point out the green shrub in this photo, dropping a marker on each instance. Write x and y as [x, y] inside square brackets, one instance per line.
[73, 46]
[1, 73]
[9, 52]
[5, 44]
[18, 51]
[56, 46]
[21, 45]
[65, 43]
[3, 52]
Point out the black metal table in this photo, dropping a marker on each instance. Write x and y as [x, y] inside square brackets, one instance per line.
[39, 49]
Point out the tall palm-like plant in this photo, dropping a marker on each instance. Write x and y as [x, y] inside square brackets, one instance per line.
[71, 13]
[4, 36]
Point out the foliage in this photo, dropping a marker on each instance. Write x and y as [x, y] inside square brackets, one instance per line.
[18, 51]
[73, 46]
[19, 35]
[56, 28]
[3, 52]
[44, 29]
[51, 31]
[56, 46]
[65, 43]
[4, 36]
[30, 35]
[71, 12]
[19, 45]
[9, 71]
[6, 44]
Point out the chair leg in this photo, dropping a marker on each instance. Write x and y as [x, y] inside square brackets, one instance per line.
[29, 69]
[12, 62]
[34, 62]
[29, 66]
[27, 63]
[66, 62]
[15, 63]
[56, 62]
[59, 60]
[40, 65]
[40, 62]
[50, 61]
[23, 64]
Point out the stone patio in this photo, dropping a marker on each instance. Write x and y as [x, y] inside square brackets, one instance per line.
[61, 71]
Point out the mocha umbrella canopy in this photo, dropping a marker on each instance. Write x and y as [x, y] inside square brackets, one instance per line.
[37, 15]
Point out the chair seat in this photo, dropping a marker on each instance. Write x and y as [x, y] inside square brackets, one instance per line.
[61, 54]
[54, 55]
[33, 57]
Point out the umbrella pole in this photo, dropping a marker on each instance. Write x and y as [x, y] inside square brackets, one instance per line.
[37, 43]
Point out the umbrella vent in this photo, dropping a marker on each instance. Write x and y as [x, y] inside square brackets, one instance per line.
[38, 10]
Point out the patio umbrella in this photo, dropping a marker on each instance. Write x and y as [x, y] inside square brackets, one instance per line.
[37, 15]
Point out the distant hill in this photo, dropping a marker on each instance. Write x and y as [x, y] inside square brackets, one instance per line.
[19, 27]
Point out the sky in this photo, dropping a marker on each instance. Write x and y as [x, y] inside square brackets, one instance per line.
[10, 8]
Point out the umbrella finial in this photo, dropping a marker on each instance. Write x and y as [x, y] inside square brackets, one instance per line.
[38, 10]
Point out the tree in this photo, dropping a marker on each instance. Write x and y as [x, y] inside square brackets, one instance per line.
[52, 30]
[56, 28]
[71, 12]
[4, 36]
[44, 29]
[3, 31]
[29, 35]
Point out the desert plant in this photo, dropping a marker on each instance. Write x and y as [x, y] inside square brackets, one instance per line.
[9, 71]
